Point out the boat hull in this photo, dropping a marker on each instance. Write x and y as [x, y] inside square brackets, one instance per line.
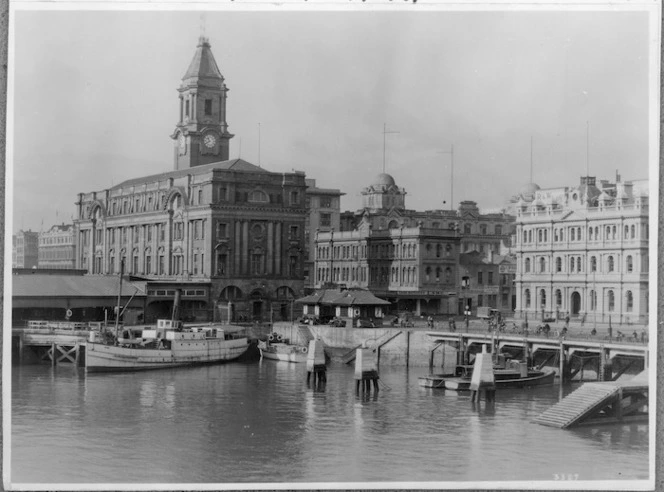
[283, 352]
[103, 358]
[502, 381]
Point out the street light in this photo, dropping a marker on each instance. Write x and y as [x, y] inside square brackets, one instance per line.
[465, 284]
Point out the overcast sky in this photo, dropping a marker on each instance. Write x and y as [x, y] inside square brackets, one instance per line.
[95, 99]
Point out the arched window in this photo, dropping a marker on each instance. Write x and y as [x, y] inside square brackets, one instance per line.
[530, 236]
[559, 264]
[542, 298]
[593, 300]
[559, 298]
[526, 295]
[609, 264]
[578, 264]
[572, 234]
[427, 272]
[525, 236]
[258, 196]
[571, 265]
[439, 249]
[438, 269]
[593, 264]
[629, 301]
[539, 235]
[612, 300]
[590, 233]
[466, 228]
[608, 232]
[629, 264]
[626, 235]
[542, 264]
[527, 265]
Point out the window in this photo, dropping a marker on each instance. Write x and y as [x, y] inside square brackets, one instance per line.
[148, 263]
[258, 196]
[593, 300]
[161, 265]
[629, 301]
[208, 107]
[630, 264]
[196, 264]
[612, 300]
[610, 263]
[526, 295]
[466, 228]
[293, 232]
[325, 220]
[542, 265]
[294, 198]
[162, 232]
[222, 230]
[559, 264]
[499, 230]
[178, 229]
[527, 265]
[222, 259]
[559, 298]
[427, 273]
[257, 263]
[483, 229]
[292, 267]
[200, 196]
[593, 264]
[325, 202]
[479, 278]
[542, 298]
[632, 232]
[148, 229]
[186, 107]
[539, 236]
[489, 278]
[571, 265]
[572, 234]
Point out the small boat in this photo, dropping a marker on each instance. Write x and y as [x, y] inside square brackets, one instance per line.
[169, 344]
[278, 348]
[508, 374]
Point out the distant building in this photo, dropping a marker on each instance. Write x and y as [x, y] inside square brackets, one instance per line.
[227, 233]
[415, 268]
[487, 281]
[25, 249]
[323, 207]
[57, 247]
[384, 207]
[583, 250]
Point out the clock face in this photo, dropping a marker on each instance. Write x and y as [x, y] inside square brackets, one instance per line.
[209, 140]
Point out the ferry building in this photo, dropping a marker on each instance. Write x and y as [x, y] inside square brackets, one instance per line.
[583, 250]
[227, 233]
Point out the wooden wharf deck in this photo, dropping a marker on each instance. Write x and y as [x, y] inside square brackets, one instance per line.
[604, 351]
[600, 403]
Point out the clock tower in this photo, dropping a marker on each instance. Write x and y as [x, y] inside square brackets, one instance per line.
[201, 135]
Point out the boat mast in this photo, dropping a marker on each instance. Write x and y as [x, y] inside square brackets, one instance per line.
[117, 308]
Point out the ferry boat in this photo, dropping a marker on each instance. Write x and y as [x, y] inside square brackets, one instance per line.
[169, 344]
[509, 374]
[276, 348]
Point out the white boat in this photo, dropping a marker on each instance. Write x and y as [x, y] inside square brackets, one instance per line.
[276, 348]
[169, 344]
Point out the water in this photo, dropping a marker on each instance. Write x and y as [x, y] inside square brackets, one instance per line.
[259, 423]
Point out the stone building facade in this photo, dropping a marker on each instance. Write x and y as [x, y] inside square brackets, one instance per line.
[415, 268]
[323, 206]
[583, 251]
[229, 235]
[57, 247]
[25, 249]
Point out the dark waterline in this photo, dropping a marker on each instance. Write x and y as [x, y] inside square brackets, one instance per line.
[260, 423]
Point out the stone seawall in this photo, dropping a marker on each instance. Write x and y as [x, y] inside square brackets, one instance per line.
[398, 346]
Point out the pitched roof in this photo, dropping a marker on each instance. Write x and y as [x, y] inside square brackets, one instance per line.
[230, 165]
[36, 285]
[203, 64]
[346, 297]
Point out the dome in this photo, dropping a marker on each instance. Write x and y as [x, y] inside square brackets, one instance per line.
[383, 180]
[529, 189]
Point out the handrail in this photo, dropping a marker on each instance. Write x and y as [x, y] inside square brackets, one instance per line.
[383, 344]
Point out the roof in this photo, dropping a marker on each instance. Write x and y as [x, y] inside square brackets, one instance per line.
[73, 286]
[336, 297]
[230, 165]
[203, 65]
[383, 179]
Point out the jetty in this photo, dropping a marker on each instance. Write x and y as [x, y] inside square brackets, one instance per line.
[608, 402]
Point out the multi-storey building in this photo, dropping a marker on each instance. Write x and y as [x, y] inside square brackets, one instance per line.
[25, 249]
[413, 267]
[583, 251]
[384, 207]
[487, 281]
[57, 248]
[323, 205]
[226, 233]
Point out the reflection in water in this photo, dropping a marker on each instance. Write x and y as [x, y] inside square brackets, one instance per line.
[260, 423]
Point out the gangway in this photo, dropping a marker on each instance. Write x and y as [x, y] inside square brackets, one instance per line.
[607, 402]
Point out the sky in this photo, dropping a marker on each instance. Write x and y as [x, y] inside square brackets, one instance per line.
[95, 100]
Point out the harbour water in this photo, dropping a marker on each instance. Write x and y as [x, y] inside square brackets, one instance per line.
[260, 423]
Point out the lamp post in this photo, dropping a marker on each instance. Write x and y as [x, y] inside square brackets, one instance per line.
[465, 284]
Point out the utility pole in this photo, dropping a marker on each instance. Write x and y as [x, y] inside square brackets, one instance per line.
[385, 132]
[451, 153]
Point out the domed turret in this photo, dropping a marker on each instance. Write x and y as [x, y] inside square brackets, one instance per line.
[383, 180]
[528, 191]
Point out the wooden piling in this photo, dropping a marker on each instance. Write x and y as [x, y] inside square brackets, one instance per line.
[366, 370]
[483, 378]
[316, 364]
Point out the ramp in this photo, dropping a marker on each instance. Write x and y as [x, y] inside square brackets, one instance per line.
[596, 403]
[304, 334]
[576, 405]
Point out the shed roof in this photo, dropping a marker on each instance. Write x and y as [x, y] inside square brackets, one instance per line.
[346, 297]
[73, 286]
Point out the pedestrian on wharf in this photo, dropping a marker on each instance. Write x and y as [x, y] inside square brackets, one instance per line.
[635, 336]
[593, 332]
